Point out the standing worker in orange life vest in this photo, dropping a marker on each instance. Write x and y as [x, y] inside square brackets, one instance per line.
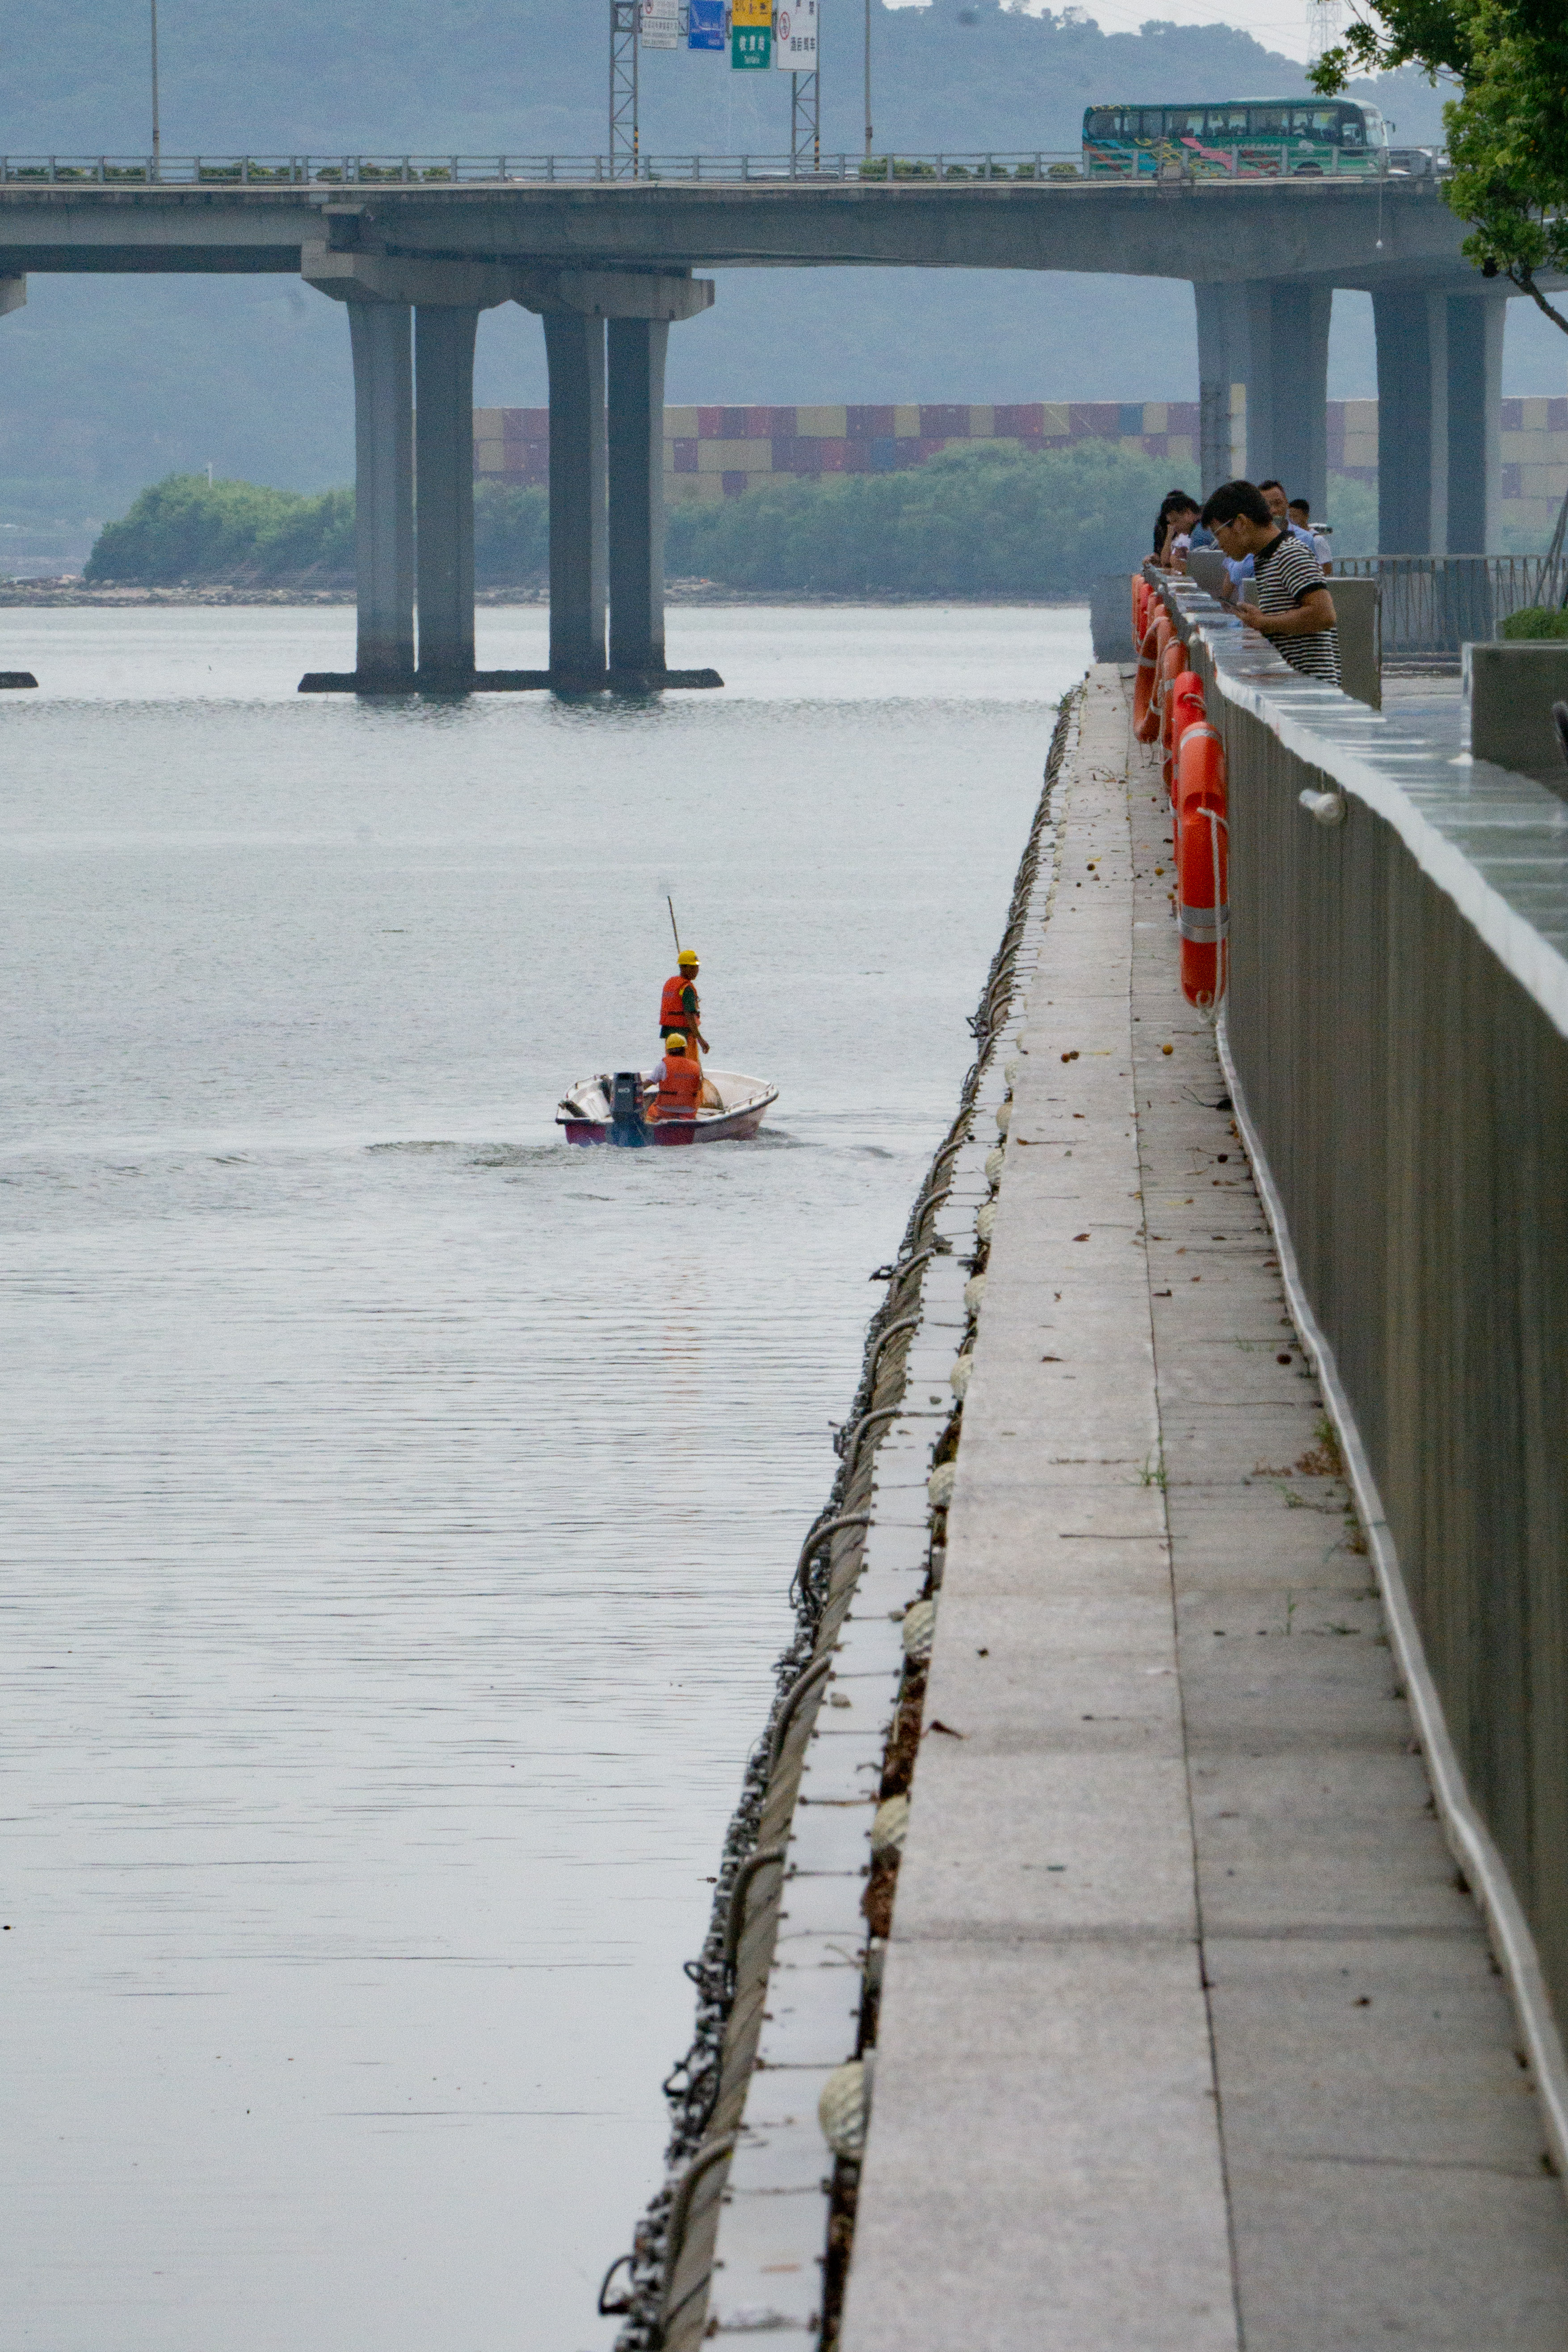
[679, 1008]
[679, 1079]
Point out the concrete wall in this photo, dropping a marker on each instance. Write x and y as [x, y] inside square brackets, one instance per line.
[714, 453]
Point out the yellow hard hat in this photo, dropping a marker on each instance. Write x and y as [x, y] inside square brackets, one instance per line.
[675, 1043]
[687, 955]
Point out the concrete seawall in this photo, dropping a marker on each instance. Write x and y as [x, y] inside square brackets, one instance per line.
[1189, 2032]
[1166, 2020]
[753, 2227]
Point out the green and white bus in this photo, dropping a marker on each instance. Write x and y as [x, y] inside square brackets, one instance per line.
[1245, 139]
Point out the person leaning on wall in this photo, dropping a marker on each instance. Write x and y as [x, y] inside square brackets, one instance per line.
[1292, 607]
[1173, 535]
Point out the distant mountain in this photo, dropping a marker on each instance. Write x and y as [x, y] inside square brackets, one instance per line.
[106, 384]
[529, 76]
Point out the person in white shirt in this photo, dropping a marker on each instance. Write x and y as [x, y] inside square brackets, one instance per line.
[1322, 545]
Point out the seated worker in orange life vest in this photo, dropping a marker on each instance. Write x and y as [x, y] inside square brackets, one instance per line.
[679, 1008]
[678, 1080]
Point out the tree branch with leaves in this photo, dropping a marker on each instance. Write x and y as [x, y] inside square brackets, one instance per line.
[1508, 127]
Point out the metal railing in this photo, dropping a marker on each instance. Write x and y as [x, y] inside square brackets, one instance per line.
[1049, 166]
[1396, 1034]
[439, 171]
[1434, 605]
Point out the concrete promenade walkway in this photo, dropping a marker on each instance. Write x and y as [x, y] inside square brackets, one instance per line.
[1190, 2036]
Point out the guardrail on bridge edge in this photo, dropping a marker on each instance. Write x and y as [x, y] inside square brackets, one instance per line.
[1057, 168]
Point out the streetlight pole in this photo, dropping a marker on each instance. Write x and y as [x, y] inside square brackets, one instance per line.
[868, 77]
[157, 139]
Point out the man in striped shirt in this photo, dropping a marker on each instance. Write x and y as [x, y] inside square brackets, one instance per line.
[1294, 609]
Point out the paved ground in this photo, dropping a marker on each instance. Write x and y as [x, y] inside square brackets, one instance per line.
[1190, 2039]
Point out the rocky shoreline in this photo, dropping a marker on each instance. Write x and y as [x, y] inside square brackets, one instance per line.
[73, 592]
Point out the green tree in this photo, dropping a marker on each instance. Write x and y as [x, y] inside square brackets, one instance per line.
[186, 527]
[511, 535]
[985, 521]
[1508, 127]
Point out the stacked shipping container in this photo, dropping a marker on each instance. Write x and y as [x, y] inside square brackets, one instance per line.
[715, 453]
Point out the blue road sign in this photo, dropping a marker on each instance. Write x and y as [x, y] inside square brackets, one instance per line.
[705, 25]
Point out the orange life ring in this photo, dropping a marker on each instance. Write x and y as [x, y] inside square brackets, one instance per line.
[1184, 708]
[1140, 608]
[1203, 899]
[1145, 718]
[1200, 777]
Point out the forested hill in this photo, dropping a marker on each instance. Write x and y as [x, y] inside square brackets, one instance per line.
[107, 384]
[528, 77]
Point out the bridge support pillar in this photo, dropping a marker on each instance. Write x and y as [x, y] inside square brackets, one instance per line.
[574, 348]
[397, 550]
[637, 348]
[384, 492]
[1263, 384]
[433, 548]
[1412, 330]
[606, 489]
[1475, 423]
[444, 465]
[1439, 413]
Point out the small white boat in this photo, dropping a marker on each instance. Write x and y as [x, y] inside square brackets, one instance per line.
[609, 1109]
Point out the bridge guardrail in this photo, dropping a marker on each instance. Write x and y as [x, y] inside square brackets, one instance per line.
[1051, 166]
[435, 171]
[1396, 1034]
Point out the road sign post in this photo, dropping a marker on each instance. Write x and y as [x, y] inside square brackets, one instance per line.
[794, 52]
[624, 157]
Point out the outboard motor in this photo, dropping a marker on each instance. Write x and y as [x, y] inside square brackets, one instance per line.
[628, 1123]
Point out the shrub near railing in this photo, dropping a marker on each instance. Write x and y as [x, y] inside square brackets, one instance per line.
[1537, 621]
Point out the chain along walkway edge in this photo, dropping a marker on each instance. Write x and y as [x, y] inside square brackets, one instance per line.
[751, 2229]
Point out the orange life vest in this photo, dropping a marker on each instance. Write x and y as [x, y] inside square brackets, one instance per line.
[677, 1010]
[679, 1088]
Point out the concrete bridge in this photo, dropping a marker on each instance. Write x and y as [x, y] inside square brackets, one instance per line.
[610, 267]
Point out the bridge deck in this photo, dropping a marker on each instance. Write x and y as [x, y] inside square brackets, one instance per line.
[1190, 2036]
[1308, 231]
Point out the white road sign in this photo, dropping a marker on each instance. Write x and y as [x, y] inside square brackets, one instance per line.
[659, 24]
[794, 35]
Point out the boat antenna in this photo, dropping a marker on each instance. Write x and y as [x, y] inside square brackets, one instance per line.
[674, 925]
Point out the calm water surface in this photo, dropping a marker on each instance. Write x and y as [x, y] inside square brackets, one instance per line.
[399, 1504]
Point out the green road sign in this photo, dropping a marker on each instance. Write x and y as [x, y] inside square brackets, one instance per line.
[751, 46]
